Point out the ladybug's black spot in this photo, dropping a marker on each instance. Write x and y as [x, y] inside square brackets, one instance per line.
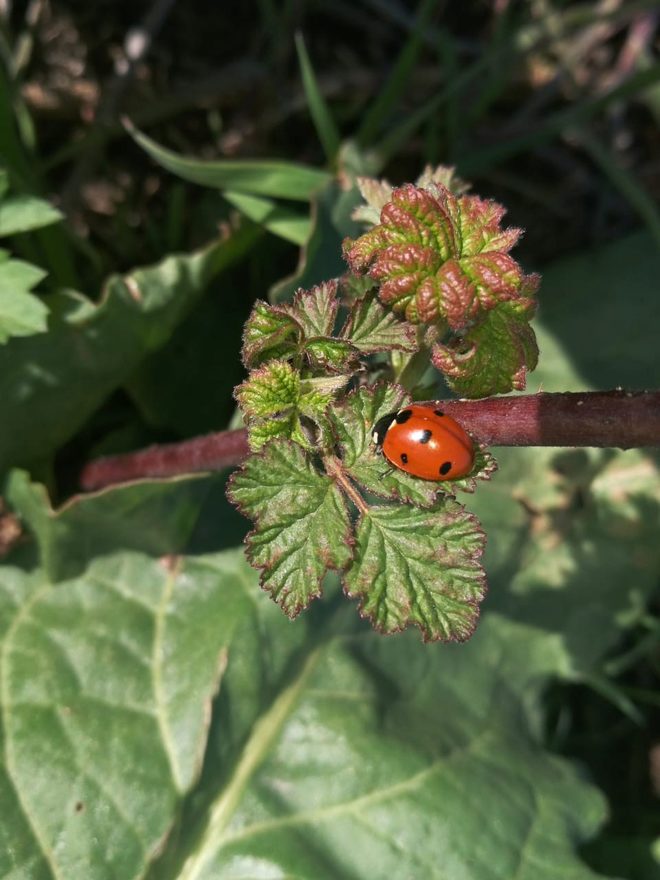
[445, 467]
[425, 436]
[404, 458]
[403, 416]
[438, 412]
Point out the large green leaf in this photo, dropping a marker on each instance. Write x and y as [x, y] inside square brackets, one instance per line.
[50, 383]
[106, 684]
[382, 758]
[603, 312]
[156, 517]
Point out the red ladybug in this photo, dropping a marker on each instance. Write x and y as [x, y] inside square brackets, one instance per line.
[424, 442]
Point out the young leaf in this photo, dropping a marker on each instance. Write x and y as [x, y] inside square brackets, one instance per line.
[316, 309]
[371, 328]
[269, 391]
[269, 333]
[419, 567]
[439, 257]
[302, 528]
[334, 355]
[499, 352]
[376, 194]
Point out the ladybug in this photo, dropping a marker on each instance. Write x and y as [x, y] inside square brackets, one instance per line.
[424, 442]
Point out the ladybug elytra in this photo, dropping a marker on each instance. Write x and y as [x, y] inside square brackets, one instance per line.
[424, 442]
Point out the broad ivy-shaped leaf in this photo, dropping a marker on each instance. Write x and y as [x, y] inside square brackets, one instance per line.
[419, 567]
[302, 528]
[21, 312]
[440, 257]
[353, 420]
[371, 328]
[493, 357]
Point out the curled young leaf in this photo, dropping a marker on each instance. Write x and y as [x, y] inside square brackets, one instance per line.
[494, 356]
[270, 332]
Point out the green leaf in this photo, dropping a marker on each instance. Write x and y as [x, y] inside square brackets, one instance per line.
[316, 309]
[269, 333]
[419, 567]
[106, 687]
[493, 357]
[335, 355]
[371, 328]
[278, 179]
[302, 528]
[21, 213]
[274, 398]
[17, 275]
[318, 107]
[21, 313]
[281, 221]
[269, 391]
[50, 383]
[381, 758]
[152, 517]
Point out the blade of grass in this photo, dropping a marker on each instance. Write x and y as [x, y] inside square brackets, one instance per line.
[273, 178]
[397, 81]
[324, 124]
[279, 220]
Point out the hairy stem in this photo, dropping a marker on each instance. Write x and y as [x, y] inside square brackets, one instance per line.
[334, 469]
[622, 419]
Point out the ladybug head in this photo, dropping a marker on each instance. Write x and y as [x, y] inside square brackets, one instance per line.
[381, 428]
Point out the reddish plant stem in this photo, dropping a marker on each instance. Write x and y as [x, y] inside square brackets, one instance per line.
[209, 453]
[622, 419]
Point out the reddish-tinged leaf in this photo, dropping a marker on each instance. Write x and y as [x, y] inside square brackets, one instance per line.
[302, 528]
[494, 356]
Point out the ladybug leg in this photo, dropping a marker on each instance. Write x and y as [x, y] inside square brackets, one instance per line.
[387, 472]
